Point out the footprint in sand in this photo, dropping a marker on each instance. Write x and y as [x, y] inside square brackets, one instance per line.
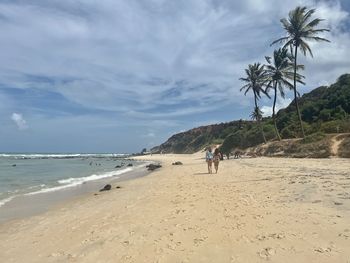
[198, 241]
[57, 254]
[126, 243]
[273, 236]
[345, 234]
[261, 237]
[323, 250]
[267, 253]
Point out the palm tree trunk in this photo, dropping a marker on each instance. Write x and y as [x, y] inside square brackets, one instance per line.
[295, 91]
[259, 122]
[273, 113]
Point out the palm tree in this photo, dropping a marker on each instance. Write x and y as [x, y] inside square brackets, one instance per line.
[280, 71]
[256, 114]
[255, 80]
[300, 28]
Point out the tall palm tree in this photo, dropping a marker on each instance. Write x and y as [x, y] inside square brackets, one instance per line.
[279, 71]
[300, 28]
[255, 81]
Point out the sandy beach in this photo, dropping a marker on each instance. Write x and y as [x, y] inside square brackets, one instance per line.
[253, 210]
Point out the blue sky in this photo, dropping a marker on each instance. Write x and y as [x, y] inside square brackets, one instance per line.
[118, 76]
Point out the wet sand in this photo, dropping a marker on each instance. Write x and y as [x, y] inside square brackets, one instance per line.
[253, 210]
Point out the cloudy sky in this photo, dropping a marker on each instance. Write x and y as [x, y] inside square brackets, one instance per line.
[117, 76]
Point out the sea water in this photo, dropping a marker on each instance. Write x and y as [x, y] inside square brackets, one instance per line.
[32, 174]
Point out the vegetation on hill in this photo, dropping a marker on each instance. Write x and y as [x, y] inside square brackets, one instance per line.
[198, 138]
[324, 110]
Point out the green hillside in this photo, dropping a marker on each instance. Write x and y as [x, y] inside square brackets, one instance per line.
[198, 138]
[324, 110]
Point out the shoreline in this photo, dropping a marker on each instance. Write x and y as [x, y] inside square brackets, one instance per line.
[253, 210]
[35, 203]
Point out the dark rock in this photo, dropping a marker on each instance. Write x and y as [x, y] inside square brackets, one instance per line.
[177, 163]
[152, 167]
[106, 188]
[130, 164]
[118, 166]
[118, 187]
[14, 165]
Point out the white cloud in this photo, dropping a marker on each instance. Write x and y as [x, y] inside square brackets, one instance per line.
[127, 55]
[19, 121]
[280, 104]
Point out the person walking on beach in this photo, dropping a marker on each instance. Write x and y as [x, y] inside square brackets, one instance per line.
[216, 159]
[209, 159]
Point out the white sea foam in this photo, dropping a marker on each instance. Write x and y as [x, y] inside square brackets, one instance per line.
[10, 192]
[52, 189]
[72, 182]
[36, 186]
[94, 177]
[6, 200]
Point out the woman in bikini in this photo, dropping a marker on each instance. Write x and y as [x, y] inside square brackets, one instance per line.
[216, 159]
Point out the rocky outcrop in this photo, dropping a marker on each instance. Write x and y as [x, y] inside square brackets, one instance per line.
[152, 167]
[107, 187]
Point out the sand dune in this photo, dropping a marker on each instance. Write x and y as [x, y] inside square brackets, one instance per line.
[253, 210]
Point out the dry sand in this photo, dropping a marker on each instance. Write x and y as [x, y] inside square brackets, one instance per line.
[253, 210]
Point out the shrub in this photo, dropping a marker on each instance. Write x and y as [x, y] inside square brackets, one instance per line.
[286, 133]
[315, 149]
[336, 126]
[315, 137]
[231, 141]
[325, 114]
[217, 141]
[251, 137]
[269, 131]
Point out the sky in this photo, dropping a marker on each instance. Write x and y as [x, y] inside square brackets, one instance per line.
[118, 76]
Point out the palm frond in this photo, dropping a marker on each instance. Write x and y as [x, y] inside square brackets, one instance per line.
[280, 40]
[256, 114]
[314, 23]
[281, 90]
[305, 48]
[268, 59]
[306, 17]
[299, 27]
[318, 39]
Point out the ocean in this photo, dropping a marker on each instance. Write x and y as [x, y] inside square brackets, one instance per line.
[25, 175]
